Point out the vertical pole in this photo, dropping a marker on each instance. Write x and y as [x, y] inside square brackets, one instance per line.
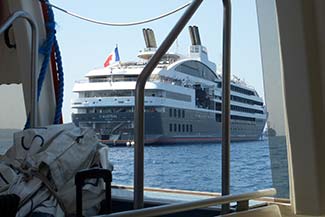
[139, 102]
[226, 64]
[33, 71]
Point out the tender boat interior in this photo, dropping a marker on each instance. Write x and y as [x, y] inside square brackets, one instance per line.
[292, 40]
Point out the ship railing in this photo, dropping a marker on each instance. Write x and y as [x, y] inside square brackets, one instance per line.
[152, 78]
[81, 81]
[149, 49]
[33, 61]
[197, 48]
[241, 200]
[166, 80]
[139, 102]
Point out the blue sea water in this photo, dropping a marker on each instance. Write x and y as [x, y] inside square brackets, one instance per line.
[198, 166]
[254, 165]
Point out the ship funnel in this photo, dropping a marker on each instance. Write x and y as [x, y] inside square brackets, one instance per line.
[152, 39]
[190, 29]
[145, 36]
[149, 38]
[195, 35]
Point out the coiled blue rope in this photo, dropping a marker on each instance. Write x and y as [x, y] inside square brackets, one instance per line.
[46, 50]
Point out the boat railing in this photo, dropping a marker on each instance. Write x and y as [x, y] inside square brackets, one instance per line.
[33, 62]
[139, 102]
[242, 201]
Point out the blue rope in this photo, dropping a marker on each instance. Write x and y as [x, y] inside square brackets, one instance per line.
[52, 39]
[46, 49]
[59, 101]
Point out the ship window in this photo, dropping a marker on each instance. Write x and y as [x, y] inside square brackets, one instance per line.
[186, 127]
[153, 93]
[170, 112]
[178, 96]
[114, 93]
[241, 118]
[183, 128]
[175, 127]
[82, 94]
[118, 78]
[218, 106]
[170, 127]
[191, 128]
[218, 117]
[174, 112]
[197, 69]
[242, 90]
[98, 79]
[244, 100]
[247, 110]
[183, 113]
[179, 127]
[179, 113]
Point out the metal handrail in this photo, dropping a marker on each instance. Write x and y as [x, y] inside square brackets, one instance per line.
[186, 206]
[225, 115]
[34, 61]
[139, 102]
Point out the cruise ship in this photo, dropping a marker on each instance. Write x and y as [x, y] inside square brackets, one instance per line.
[183, 98]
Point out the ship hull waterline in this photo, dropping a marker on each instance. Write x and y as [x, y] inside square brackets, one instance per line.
[164, 128]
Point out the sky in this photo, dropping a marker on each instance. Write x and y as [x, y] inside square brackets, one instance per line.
[85, 46]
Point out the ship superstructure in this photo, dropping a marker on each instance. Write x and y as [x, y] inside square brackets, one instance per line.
[182, 100]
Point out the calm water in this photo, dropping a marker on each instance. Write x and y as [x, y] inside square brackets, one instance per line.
[197, 166]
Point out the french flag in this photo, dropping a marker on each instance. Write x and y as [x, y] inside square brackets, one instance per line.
[112, 58]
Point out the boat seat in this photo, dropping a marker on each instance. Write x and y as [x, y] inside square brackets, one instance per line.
[267, 211]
